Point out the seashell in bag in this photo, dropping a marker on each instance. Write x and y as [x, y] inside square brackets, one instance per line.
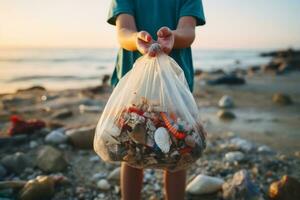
[162, 139]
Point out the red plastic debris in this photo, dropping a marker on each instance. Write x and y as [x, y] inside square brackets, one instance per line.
[20, 126]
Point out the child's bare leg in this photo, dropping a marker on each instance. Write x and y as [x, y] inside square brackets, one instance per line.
[175, 185]
[131, 182]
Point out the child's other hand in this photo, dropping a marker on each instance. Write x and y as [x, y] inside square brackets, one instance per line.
[143, 42]
[166, 38]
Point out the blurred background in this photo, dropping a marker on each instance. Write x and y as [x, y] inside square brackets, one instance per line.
[56, 58]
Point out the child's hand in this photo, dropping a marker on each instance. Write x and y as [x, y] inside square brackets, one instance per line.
[166, 38]
[143, 42]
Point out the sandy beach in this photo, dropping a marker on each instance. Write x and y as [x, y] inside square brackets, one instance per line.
[257, 119]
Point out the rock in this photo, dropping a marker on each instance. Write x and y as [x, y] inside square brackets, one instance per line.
[115, 174]
[286, 188]
[234, 156]
[56, 137]
[89, 109]
[17, 162]
[240, 187]
[282, 99]
[264, 149]
[203, 184]
[103, 184]
[228, 80]
[82, 138]
[33, 144]
[98, 176]
[13, 140]
[62, 114]
[40, 188]
[2, 171]
[51, 160]
[226, 115]
[37, 87]
[226, 102]
[242, 144]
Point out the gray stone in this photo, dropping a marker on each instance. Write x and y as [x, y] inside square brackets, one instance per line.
[33, 144]
[16, 162]
[264, 149]
[51, 160]
[226, 115]
[242, 144]
[56, 137]
[234, 156]
[203, 184]
[82, 138]
[89, 109]
[226, 102]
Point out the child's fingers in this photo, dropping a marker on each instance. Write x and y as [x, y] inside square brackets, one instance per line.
[143, 35]
[164, 32]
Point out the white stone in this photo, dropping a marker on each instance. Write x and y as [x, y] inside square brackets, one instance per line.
[103, 184]
[203, 184]
[242, 144]
[234, 156]
[92, 109]
[56, 137]
[94, 159]
[226, 102]
[264, 149]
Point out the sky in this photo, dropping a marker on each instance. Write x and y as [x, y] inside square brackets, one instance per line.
[230, 24]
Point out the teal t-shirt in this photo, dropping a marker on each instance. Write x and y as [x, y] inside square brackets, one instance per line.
[150, 16]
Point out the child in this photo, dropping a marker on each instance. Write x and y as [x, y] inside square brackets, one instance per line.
[140, 23]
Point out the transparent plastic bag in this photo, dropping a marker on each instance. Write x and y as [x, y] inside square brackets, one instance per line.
[151, 118]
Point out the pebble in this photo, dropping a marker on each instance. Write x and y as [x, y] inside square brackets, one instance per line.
[282, 99]
[89, 109]
[226, 102]
[94, 159]
[103, 184]
[16, 162]
[234, 156]
[33, 144]
[242, 144]
[115, 174]
[56, 137]
[98, 176]
[264, 149]
[82, 138]
[203, 184]
[50, 159]
[226, 115]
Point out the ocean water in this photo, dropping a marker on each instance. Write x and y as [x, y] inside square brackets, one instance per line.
[77, 68]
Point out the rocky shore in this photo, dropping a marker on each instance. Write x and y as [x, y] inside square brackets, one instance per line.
[252, 152]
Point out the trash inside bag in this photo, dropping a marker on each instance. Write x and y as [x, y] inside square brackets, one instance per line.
[151, 119]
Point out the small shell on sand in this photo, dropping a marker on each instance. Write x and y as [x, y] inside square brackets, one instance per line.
[162, 139]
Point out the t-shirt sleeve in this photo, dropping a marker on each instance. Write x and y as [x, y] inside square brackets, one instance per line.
[118, 7]
[193, 8]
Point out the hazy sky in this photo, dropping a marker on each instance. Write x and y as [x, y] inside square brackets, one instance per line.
[82, 23]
